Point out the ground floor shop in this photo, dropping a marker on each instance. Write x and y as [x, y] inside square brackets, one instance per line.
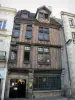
[33, 85]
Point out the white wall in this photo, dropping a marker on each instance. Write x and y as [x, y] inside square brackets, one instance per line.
[70, 49]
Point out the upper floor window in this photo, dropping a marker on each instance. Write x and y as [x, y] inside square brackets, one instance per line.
[28, 34]
[42, 15]
[2, 55]
[27, 54]
[13, 55]
[43, 55]
[73, 37]
[24, 15]
[43, 33]
[71, 22]
[16, 33]
[2, 25]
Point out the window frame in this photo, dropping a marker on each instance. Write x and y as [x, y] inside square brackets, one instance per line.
[29, 29]
[22, 15]
[73, 37]
[44, 32]
[43, 15]
[44, 53]
[16, 36]
[13, 60]
[71, 22]
[3, 24]
[49, 82]
[29, 54]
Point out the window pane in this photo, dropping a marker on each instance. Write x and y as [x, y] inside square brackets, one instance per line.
[71, 22]
[28, 35]
[46, 15]
[41, 36]
[46, 58]
[41, 29]
[27, 48]
[13, 55]
[46, 36]
[40, 57]
[4, 25]
[25, 15]
[46, 50]
[41, 15]
[40, 49]
[16, 33]
[0, 24]
[29, 28]
[26, 56]
[46, 30]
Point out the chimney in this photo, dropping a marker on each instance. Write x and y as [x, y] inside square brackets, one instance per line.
[50, 8]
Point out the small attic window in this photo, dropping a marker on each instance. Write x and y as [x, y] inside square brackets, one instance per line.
[42, 15]
[24, 15]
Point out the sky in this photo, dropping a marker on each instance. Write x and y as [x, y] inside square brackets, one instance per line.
[32, 5]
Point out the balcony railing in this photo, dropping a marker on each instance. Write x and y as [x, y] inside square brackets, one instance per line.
[2, 55]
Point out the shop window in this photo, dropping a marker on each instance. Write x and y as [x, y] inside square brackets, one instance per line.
[47, 82]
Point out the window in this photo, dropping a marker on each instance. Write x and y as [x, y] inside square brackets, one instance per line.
[43, 55]
[16, 33]
[71, 22]
[24, 15]
[43, 34]
[47, 82]
[42, 15]
[2, 25]
[73, 37]
[13, 55]
[2, 55]
[27, 54]
[28, 34]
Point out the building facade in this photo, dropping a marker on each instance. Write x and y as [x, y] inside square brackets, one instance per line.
[6, 26]
[35, 60]
[69, 32]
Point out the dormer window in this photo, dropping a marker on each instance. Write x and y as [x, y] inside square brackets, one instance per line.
[43, 15]
[24, 15]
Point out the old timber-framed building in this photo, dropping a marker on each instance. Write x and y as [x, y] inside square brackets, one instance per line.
[35, 66]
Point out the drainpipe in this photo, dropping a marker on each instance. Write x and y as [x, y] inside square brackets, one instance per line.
[4, 81]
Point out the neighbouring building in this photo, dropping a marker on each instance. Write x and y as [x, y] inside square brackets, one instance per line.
[69, 33]
[35, 60]
[6, 26]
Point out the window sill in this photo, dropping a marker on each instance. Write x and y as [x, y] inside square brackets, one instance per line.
[3, 29]
[43, 40]
[26, 62]
[72, 26]
[42, 63]
[47, 90]
[12, 60]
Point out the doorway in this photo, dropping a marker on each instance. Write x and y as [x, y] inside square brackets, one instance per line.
[17, 88]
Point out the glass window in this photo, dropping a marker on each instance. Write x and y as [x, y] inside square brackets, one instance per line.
[47, 82]
[73, 37]
[24, 15]
[43, 34]
[43, 55]
[46, 36]
[27, 54]
[71, 22]
[28, 34]
[2, 55]
[41, 15]
[16, 33]
[46, 16]
[2, 25]
[13, 55]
